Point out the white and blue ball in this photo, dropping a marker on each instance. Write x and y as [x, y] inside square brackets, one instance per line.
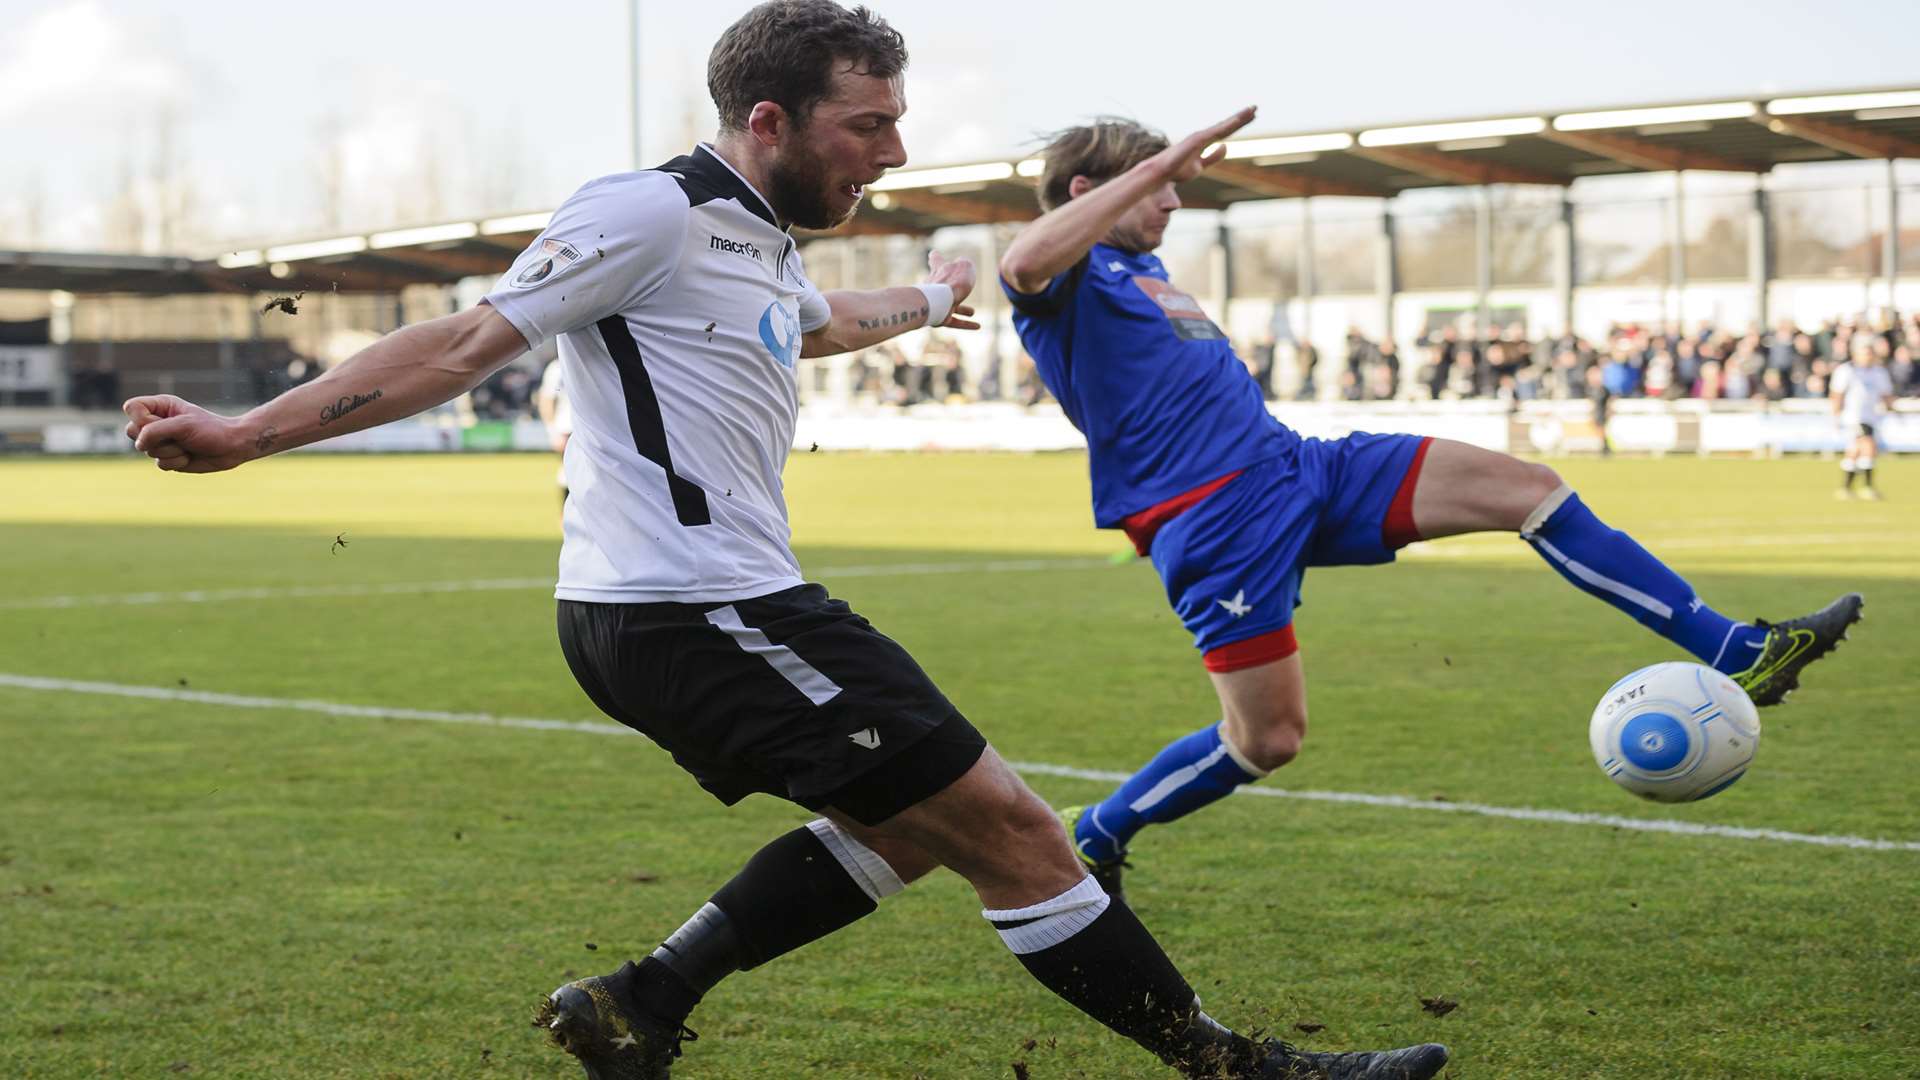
[1675, 732]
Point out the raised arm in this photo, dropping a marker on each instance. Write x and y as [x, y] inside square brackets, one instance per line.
[408, 371]
[1064, 235]
[865, 318]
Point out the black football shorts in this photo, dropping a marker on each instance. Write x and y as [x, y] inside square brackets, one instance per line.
[791, 694]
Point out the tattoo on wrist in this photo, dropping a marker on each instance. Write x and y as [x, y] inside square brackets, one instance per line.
[346, 405]
[898, 318]
[264, 441]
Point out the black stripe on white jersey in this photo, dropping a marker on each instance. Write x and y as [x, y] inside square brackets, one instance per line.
[644, 420]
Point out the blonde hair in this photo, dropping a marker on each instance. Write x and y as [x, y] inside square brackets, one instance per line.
[1098, 151]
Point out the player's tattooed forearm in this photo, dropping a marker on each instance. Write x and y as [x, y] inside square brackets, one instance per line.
[265, 440]
[898, 318]
[346, 405]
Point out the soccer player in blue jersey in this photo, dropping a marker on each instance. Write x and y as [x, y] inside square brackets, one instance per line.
[1233, 506]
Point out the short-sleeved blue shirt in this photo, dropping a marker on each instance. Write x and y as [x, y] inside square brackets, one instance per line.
[1151, 382]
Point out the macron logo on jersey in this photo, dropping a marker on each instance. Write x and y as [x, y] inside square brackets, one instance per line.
[733, 247]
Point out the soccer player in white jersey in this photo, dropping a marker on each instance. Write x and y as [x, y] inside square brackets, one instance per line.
[1860, 390]
[680, 306]
[556, 414]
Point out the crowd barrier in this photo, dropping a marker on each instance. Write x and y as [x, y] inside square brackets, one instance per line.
[1541, 427]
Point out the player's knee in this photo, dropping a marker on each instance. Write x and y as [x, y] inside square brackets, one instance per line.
[1540, 481]
[1273, 741]
[1532, 500]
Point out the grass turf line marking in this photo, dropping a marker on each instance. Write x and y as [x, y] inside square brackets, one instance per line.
[592, 727]
[1485, 545]
[292, 592]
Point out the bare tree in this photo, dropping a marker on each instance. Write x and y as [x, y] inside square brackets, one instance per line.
[496, 164]
[169, 187]
[329, 163]
[126, 224]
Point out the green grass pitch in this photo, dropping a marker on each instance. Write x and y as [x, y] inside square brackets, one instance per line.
[224, 891]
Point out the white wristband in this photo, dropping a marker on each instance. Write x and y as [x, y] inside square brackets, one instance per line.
[939, 302]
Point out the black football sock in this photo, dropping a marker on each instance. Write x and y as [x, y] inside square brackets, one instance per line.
[799, 888]
[1091, 950]
[1846, 471]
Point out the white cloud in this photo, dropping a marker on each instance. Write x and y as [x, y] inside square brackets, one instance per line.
[74, 59]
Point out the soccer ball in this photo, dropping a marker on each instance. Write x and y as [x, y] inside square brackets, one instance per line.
[1675, 732]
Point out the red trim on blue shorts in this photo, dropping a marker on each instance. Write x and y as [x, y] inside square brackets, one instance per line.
[1254, 651]
[1398, 530]
[1141, 525]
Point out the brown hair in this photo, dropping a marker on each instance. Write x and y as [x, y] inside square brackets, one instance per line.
[1098, 151]
[784, 51]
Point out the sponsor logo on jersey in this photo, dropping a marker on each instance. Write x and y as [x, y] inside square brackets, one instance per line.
[733, 247]
[552, 258]
[1190, 323]
[867, 739]
[780, 333]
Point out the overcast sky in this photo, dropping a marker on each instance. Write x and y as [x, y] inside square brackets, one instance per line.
[429, 111]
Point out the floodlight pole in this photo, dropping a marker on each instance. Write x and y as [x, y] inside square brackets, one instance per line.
[633, 81]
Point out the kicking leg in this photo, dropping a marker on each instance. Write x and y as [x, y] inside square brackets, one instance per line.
[1463, 489]
[1088, 947]
[799, 888]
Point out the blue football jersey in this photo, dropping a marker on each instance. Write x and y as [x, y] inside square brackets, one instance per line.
[1151, 382]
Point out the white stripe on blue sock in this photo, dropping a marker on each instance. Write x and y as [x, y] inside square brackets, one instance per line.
[1603, 582]
[1176, 780]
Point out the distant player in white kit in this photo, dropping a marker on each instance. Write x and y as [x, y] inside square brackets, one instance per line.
[551, 402]
[1861, 390]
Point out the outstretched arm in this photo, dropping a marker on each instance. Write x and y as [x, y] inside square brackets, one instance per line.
[1063, 236]
[865, 318]
[408, 371]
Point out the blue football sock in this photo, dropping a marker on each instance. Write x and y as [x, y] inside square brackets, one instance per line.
[1607, 563]
[1191, 772]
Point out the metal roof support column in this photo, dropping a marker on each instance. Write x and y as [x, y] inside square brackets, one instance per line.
[1483, 261]
[993, 307]
[1890, 242]
[1305, 267]
[1563, 261]
[1760, 252]
[1677, 251]
[1222, 256]
[1386, 268]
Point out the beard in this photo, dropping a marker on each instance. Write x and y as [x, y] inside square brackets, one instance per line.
[801, 193]
[1132, 241]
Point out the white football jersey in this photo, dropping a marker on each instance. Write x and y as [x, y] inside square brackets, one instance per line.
[679, 302]
[1862, 389]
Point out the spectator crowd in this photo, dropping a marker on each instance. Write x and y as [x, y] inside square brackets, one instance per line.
[1633, 360]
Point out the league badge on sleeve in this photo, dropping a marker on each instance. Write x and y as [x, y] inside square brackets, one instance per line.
[551, 258]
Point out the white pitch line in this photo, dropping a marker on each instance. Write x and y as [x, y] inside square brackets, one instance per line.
[1395, 802]
[1517, 813]
[1484, 546]
[293, 592]
[278, 592]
